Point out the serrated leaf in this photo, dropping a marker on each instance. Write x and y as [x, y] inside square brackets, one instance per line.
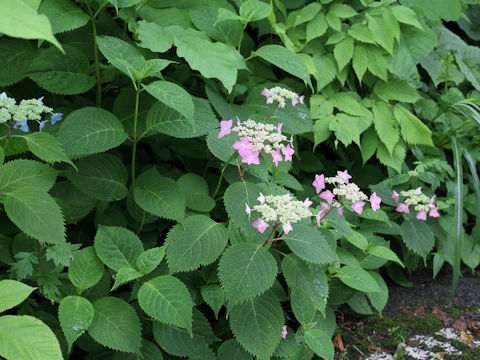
[196, 190]
[245, 271]
[396, 90]
[232, 350]
[46, 147]
[198, 240]
[385, 253]
[117, 247]
[65, 74]
[165, 298]
[254, 10]
[360, 32]
[405, 15]
[26, 337]
[316, 27]
[22, 172]
[302, 306]
[75, 314]
[13, 293]
[307, 277]
[18, 19]
[333, 21]
[75, 204]
[357, 278]
[377, 63]
[343, 52]
[159, 195]
[124, 275]
[150, 259]
[154, 37]
[37, 214]
[382, 33]
[64, 15]
[89, 131]
[116, 325]
[385, 125]
[257, 325]
[417, 236]
[320, 343]
[213, 296]
[101, 176]
[15, 57]
[326, 69]
[413, 130]
[360, 61]
[173, 96]
[286, 60]
[379, 299]
[309, 244]
[85, 269]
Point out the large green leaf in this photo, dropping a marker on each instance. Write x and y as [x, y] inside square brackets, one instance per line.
[198, 240]
[75, 204]
[18, 19]
[173, 96]
[205, 18]
[101, 176]
[124, 275]
[385, 125]
[64, 15]
[286, 60]
[417, 236]
[22, 172]
[75, 314]
[150, 259]
[85, 269]
[214, 296]
[449, 10]
[46, 147]
[396, 90]
[395, 159]
[195, 189]
[309, 244]
[15, 57]
[165, 298]
[343, 52]
[320, 343]
[357, 278]
[232, 350]
[13, 293]
[154, 37]
[360, 61]
[302, 306]
[89, 131]
[413, 130]
[37, 214]
[26, 337]
[65, 74]
[379, 299]
[117, 247]
[254, 10]
[246, 271]
[160, 195]
[381, 32]
[257, 325]
[116, 325]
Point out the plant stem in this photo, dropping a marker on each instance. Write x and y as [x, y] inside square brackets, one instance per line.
[271, 112]
[221, 175]
[134, 152]
[97, 66]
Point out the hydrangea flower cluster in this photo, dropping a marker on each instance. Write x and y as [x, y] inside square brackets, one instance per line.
[279, 209]
[280, 94]
[419, 201]
[31, 109]
[343, 190]
[256, 137]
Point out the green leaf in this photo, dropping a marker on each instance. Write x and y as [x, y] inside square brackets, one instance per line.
[309, 244]
[37, 214]
[343, 52]
[150, 259]
[65, 74]
[75, 314]
[15, 57]
[165, 298]
[360, 61]
[124, 275]
[214, 296]
[160, 195]
[13, 293]
[286, 60]
[166, 120]
[302, 306]
[122, 55]
[89, 131]
[395, 159]
[46, 147]
[405, 15]
[153, 67]
[101, 176]
[307, 277]
[18, 19]
[343, 11]
[396, 90]
[333, 21]
[417, 236]
[360, 32]
[320, 343]
[413, 130]
[63, 15]
[316, 27]
[198, 240]
[326, 69]
[116, 325]
[357, 278]
[385, 125]
[26, 337]
[257, 325]
[173, 96]
[232, 350]
[195, 189]
[449, 10]
[246, 271]
[382, 33]
[117, 247]
[154, 37]
[254, 10]
[213, 60]
[22, 172]
[379, 299]
[85, 269]
[377, 63]
[385, 253]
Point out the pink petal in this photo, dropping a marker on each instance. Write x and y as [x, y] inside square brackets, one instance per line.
[279, 129]
[340, 211]
[327, 195]
[260, 225]
[422, 215]
[294, 102]
[319, 183]
[225, 127]
[433, 211]
[358, 206]
[345, 175]
[248, 211]
[395, 196]
[402, 208]
[284, 332]
[375, 201]
[301, 99]
[261, 199]
[287, 228]
[307, 203]
[276, 157]
[418, 190]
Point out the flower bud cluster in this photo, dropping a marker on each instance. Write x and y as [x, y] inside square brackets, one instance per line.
[279, 209]
[31, 109]
[419, 201]
[280, 94]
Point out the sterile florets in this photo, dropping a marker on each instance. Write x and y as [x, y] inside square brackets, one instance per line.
[280, 94]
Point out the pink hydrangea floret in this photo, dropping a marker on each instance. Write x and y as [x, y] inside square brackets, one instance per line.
[375, 201]
[358, 206]
[422, 215]
[284, 332]
[319, 183]
[327, 195]
[403, 208]
[260, 225]
[288, 151]
[225, 127]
